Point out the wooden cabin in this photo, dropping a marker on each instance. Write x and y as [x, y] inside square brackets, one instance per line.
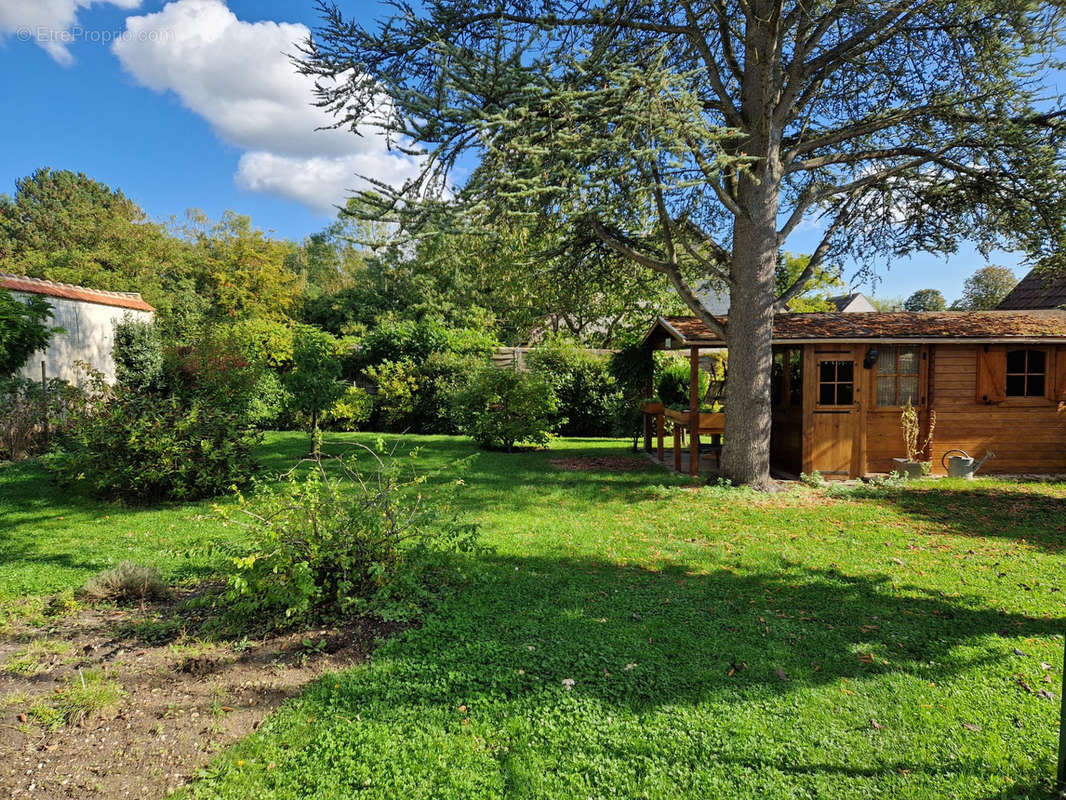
[996, 380]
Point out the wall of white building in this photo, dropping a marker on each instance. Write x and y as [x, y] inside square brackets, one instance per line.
[89, 336]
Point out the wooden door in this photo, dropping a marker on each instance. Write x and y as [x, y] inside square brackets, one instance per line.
[833, 389]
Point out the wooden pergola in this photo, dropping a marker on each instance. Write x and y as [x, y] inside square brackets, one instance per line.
[692, 422]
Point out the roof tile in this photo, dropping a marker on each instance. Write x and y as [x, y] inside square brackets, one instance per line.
[896, 325]
[68, 291]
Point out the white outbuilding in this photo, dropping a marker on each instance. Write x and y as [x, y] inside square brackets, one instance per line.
[88, 318]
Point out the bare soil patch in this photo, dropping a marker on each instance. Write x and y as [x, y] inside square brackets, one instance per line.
[598, 463]
[183, 700]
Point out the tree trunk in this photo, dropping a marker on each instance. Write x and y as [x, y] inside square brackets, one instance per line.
[749, 332]
[746, 451]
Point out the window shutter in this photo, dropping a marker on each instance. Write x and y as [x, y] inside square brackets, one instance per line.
[1059, 364]
[991, 375]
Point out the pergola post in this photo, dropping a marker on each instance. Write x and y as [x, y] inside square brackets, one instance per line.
[649, 390]
[694, 411]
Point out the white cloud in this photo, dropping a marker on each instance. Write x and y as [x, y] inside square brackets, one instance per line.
[320, 183]
[51, 24]
[238, 77]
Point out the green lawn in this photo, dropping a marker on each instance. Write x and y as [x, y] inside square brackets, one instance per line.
[877, 634]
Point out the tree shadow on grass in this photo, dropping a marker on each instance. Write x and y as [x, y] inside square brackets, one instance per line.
[739, 671]
[983, 512]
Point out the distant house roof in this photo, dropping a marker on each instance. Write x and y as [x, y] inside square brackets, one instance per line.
[900, 326]
[68, 291]
[850, 303]
[1037, 290]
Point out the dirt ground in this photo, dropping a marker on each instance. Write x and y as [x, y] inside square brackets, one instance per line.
[599, 463]
[183, 699]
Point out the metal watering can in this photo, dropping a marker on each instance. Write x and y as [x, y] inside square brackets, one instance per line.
[962, 466]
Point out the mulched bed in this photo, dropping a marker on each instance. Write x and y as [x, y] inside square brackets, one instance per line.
[185, 700]
[599, 463]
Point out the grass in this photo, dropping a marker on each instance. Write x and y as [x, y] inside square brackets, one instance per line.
[631, 636]
[36, 656]
[84, 697]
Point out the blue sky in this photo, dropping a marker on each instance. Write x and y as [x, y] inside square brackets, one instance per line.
[193, 108]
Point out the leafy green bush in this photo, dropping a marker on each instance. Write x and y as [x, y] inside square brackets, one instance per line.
[588, 394]
[351, 411]
[138, 354]
[23, 330]
[314, 382]
[399, 340]
[317, 547]
[397, 387]
[142, 448]
[439, 377]
[500, 408]
[214, 371]
[674, 381]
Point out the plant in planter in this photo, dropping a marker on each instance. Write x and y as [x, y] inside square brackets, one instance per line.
[915, 465]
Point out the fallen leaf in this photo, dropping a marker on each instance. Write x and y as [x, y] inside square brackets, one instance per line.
[23, 718]
[1044, 665]
[897, 561]
[568, 683]
[877, 726]
[1024, 685]
[971, 727]
[781, 674]
[462, 709]
[630, 666]
[1018, 652]
[1045, 694]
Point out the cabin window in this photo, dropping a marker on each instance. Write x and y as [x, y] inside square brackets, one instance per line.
[795, 378]
[836, 383]
[1026, 373]
[897, 376]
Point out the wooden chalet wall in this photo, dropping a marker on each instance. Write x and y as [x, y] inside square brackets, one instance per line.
[963, 383]
[1028, 435]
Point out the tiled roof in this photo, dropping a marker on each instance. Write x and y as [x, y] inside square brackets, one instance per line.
[68, 291]
[1037, 290]
[905, 325]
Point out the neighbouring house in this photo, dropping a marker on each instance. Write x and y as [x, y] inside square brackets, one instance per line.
[996, 380]
[88, 318]
[1035, 291]
[852, 303]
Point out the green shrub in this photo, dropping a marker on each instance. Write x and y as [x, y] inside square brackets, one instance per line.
[138, 354]
[215, 371]
[142, 448]
[314, 382]
[440, 376]
[317, 547]
[674, 382]
[588, 394]
[500, 408]
[397, 387]
[354, 408]
[127, 581]
[634, 369]
[268, 408]
[23, 330]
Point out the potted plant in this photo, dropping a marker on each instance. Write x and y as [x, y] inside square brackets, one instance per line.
[915, 465]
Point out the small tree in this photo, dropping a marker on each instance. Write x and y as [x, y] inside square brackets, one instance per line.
[985, 289]
[925, 300]
[22, 330]
[499, 408]
[315, 378]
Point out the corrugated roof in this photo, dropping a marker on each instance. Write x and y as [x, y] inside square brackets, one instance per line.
[891, 325]
[68, 291]
[1036, 290]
